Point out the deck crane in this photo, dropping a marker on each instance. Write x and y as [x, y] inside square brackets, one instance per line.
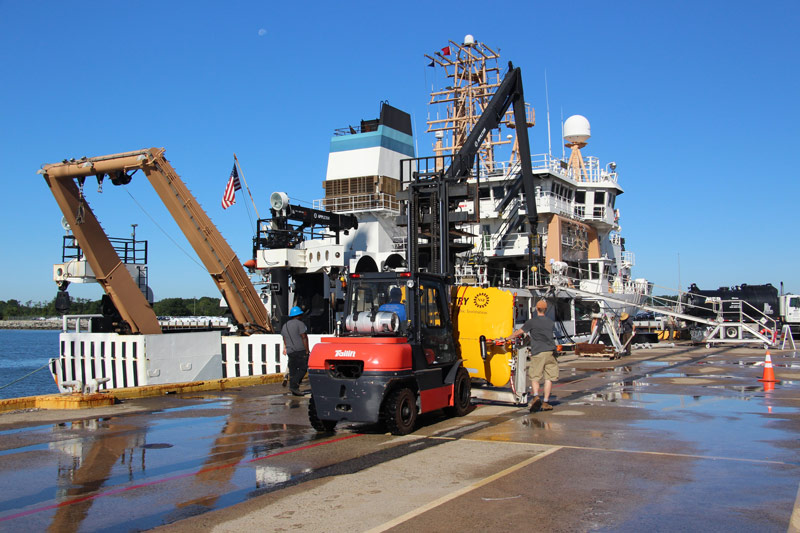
[66, 180]
[387, 369]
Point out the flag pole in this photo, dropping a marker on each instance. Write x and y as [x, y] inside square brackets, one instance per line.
[246, 186]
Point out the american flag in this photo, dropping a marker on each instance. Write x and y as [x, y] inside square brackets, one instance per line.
[229, 198]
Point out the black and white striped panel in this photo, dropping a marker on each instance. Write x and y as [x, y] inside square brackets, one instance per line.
[87, 356]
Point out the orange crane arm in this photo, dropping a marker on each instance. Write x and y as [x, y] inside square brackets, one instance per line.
[209, 244]
[98, 251]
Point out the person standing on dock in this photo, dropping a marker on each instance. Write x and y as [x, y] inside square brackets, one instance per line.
[628, 329]
[670, 328]
[295, 346]
[542, 364]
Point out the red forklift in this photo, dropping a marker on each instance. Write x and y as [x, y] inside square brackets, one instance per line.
[398, 355]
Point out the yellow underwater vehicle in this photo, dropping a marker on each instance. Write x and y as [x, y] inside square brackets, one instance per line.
[483, 318]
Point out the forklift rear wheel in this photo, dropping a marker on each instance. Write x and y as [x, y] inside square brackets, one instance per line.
[400, 411]
[324, 426]
[461, 394]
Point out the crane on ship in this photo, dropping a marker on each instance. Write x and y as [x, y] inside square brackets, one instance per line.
[66, 180]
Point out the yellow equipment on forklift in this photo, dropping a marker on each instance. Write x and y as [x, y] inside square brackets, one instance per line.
[483, 318]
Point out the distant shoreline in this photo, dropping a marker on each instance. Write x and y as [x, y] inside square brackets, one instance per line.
[47, 323]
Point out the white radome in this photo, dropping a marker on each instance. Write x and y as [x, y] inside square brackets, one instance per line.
[577, 129]
[469, 40]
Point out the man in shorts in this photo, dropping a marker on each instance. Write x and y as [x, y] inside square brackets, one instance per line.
[543, 364]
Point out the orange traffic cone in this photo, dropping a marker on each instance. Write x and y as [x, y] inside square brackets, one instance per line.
[769, 373]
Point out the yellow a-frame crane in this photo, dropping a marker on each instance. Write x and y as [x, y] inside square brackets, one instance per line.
[215, 253]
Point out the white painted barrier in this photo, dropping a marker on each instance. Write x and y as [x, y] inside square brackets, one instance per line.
[172, 357]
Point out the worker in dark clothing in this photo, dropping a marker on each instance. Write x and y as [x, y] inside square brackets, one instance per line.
[542, 364]
[628, 330]
[295, 346]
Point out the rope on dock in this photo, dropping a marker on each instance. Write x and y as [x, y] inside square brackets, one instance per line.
[25, 376]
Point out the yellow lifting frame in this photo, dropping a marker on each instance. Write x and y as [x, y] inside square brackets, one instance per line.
[212, 249]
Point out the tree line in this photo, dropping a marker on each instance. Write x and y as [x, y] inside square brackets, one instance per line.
[203, 306]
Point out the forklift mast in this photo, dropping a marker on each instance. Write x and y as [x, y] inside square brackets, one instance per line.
[433, 195]
[209, 244]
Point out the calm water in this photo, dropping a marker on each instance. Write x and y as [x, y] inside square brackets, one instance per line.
[21, 352]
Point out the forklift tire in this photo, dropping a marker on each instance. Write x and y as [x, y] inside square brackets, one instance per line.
[400, 411]
[462, 389]
[323, 426]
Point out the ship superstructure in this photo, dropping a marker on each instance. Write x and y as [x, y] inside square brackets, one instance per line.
[577, 234]
[569, 236]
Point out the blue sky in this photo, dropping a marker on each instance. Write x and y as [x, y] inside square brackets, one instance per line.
[696, 102]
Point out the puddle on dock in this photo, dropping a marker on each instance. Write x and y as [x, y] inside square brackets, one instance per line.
[172, 464]
[713, 421]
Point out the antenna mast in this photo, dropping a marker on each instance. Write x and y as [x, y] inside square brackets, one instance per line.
[547, 101]
[473, 76]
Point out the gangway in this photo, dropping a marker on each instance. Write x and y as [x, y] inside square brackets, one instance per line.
[745, 329]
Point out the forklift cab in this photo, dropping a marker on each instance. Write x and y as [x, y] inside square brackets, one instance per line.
[435, 328]
[377, 304]
[404, 305]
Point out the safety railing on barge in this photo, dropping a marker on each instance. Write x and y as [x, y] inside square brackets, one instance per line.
[86, 355]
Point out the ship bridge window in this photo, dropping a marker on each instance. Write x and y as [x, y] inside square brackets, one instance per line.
[594, 271]
[483, 193]
[499, 192]
[599, 198]
[561, 191]
[580, 197]
[611, 199]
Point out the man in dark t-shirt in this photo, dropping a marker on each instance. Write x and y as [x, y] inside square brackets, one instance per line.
[543, 364]
[295, 346]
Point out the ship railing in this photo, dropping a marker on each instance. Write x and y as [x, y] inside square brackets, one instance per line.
[593, 213]
[467, 274]
[629, 259]
[66, 319]
[359, 203]
[548, 202]
[130, 251]
[400, 244]
[509, 242]
[549, 163]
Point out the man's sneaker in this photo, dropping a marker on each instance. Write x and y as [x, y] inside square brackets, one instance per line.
[296, 392]
[537, 404]
[546, 406]
[285, 380]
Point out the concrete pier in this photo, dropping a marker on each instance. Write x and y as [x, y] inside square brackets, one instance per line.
[670, 438]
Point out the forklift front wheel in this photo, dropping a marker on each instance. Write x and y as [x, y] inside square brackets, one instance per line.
[400, 411]
[462, 391]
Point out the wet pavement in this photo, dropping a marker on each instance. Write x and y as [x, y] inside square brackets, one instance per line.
[672, 438]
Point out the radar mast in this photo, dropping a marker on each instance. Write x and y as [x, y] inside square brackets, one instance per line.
[472, 77]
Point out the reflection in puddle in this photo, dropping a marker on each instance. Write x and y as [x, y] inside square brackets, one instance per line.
[190, 463]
